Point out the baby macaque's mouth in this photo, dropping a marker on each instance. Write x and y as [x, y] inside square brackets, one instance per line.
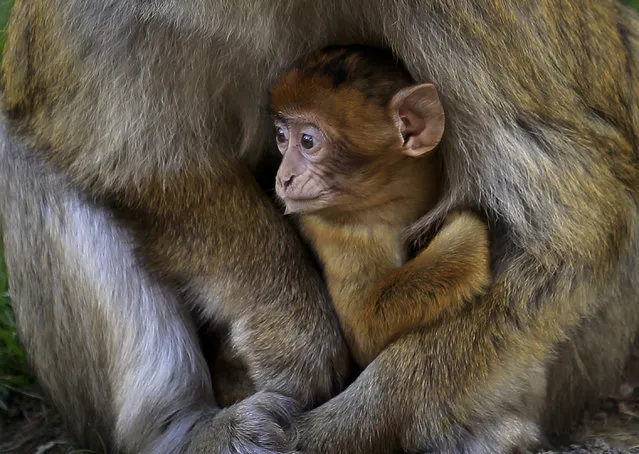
[301, 199]
[301, 205]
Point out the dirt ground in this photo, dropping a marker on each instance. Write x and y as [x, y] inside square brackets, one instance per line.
[31, 427]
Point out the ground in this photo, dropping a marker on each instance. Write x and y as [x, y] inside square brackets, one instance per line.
[31, 427]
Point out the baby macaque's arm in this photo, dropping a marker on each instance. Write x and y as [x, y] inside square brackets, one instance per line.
[448, 273]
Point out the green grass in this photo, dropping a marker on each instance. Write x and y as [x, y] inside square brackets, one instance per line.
[5, 8]
[633, 3]
[14, 373]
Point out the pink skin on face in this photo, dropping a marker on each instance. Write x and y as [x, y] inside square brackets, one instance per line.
[300, 181]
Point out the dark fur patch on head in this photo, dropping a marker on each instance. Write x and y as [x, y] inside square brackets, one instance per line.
[345, 91]
[375, 72]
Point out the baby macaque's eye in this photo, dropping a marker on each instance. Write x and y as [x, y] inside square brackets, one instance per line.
[280, 136]
[307, 141]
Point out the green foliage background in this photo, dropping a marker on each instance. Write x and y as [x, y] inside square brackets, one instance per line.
[13, 370]
[5, 7]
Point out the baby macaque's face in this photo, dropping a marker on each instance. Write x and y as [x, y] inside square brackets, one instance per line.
[320, 171]
[344, 166]
[305, 180]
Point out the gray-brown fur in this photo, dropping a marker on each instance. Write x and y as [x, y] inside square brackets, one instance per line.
[144, 107]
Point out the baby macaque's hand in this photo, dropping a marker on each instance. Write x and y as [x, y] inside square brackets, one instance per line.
[465, 236]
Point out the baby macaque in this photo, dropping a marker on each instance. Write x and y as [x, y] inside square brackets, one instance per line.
[359, 140]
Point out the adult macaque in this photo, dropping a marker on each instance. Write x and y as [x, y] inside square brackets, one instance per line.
[358, 140]
[131, 128]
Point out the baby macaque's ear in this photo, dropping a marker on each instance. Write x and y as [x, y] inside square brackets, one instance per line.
[419, 117]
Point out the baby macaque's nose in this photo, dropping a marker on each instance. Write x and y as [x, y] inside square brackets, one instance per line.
[286, 181]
